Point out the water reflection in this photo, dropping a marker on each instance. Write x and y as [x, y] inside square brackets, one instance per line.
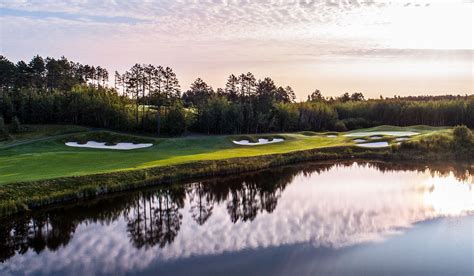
[326, 205]
[155, 218]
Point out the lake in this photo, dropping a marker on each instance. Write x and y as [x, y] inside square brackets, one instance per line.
[353, 218]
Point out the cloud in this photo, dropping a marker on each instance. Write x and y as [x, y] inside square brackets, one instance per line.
[69, 16]
[205, 20]
[220, 19]
[462, 54]
[209, 36]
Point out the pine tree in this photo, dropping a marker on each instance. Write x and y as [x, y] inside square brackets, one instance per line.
[15, 125]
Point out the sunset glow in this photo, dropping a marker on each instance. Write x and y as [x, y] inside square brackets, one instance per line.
[375, 47]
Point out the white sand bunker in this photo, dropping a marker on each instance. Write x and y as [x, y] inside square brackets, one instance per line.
[261, 141]
[375, 137]
[359, 140]
[331, 136]
[402, 139]
[388, 133]
[100, 145]
[374, 145]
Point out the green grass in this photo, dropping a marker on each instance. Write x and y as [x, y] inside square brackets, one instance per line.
[33, 132]
[50, 158]
[416, 128]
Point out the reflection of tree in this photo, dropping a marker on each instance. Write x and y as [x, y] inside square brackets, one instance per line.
[461, 171]
[53, 228]
[256, 193]
[243, 203]
[38, 233]
[155, 218]
[12, 239]
[201, 201]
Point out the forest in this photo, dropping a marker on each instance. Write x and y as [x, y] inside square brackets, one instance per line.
[150, 99]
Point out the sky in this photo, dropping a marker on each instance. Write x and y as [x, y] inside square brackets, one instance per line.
[376, 47]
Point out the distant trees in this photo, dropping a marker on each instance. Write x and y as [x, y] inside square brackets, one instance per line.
[150, 88]
[8, 73]
[148, 98]
[3, 129]
[198, 94]
[59, 91]
[231, 91]
[403, 112]
[357, 97]
[15, 125]
[50, 74]
[245, 105]
[176, 121]
[316, 96]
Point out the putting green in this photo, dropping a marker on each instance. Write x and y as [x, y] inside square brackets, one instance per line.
[50, 158]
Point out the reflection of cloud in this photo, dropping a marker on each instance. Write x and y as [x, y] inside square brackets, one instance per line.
[337, 208]
[447, 196]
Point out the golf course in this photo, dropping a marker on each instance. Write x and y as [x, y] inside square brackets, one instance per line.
[48, 157]
[52, 164]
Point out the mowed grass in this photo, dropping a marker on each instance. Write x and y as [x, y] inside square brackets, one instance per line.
[50, 158]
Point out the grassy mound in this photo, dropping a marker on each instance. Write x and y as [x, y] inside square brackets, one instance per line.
[459, 142]
[35, 132]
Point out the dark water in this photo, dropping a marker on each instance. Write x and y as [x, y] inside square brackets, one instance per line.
[312, 219]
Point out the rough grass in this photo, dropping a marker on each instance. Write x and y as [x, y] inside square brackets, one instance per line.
[32, 132]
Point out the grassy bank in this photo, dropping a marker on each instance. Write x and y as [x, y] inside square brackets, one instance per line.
[19, 196]
[46, 171]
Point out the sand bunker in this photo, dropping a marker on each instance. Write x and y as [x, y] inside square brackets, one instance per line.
[359, 140]
[402, 139]
[331, 136]
[99, 145]
[261, 141]
[375, 137]
[374, 145]
[388, 133]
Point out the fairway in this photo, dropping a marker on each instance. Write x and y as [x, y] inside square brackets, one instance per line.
[50, 158]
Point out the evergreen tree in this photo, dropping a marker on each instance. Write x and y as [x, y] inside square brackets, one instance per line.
[15, 126]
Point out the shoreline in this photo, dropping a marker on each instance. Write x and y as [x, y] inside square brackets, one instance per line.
[24, 196]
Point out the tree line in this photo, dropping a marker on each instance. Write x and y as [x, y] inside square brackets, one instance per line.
[149, 98]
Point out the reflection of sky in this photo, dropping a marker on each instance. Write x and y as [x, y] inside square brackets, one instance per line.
[341, 207]
[376, 47]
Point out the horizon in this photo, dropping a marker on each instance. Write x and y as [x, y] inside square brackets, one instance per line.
[378, 48]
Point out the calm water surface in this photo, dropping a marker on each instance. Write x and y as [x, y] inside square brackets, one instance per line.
[312, 219]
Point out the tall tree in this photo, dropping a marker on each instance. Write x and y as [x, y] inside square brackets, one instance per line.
[316, 96]
[232, 89]
[198, 93]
